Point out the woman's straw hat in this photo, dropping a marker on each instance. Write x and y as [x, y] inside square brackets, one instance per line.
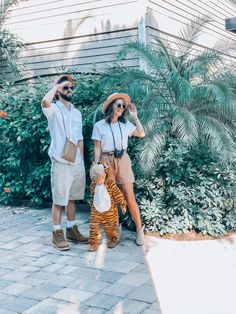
[114, 96]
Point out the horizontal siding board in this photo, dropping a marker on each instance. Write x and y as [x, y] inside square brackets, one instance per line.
[72, 61]
[99, 53]
[102, 37]
[88, 42]
[85, 68]
[82, 51]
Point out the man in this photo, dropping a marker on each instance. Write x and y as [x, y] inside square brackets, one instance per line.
[67, 178]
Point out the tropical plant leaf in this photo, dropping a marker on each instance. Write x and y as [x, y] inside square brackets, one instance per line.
[184, 125]
[156, 134]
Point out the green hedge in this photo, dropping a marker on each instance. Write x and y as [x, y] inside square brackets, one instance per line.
[188, 191]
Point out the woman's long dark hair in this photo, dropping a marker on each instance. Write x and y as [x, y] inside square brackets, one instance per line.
[109, 114]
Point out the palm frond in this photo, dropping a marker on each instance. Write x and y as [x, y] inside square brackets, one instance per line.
[215, 93]
[221, 111]
[5, 9]
[217, 137]
[156, 134]
[199, 66]
[126, 76]
[152, 57]
[184, 126]
[180, 87]
[164, 50]
[225, 45]
[225, 117]
[153, 106]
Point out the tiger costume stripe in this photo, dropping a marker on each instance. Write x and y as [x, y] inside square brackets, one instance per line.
[108, 219]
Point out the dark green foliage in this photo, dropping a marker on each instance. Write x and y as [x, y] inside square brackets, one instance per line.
[189, 190]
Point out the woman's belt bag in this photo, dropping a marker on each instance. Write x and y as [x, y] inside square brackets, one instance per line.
[69, 151]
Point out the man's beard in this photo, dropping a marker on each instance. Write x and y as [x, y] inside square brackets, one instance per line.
[66, 97]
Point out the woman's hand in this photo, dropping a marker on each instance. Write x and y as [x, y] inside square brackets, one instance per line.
[139, 131]
[133, 111]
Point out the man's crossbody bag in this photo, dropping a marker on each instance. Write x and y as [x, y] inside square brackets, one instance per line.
[70, 149]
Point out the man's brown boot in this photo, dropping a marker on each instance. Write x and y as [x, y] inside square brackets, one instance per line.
[73, 234]
[58, 240]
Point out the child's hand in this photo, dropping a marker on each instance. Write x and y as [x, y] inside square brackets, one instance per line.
[123, 210]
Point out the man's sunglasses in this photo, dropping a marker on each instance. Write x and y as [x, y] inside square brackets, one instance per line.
[68, 87]
[121, 106]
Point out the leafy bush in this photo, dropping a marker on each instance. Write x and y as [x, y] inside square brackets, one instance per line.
[188, 191]
[10, 48]
[10, 44]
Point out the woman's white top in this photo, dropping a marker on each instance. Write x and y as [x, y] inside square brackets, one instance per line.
[102, 132]
[102, 200]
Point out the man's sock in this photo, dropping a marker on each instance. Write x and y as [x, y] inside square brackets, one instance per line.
[70, 223]
[56, 227]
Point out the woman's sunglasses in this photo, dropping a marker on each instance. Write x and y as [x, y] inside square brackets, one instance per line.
[121, 106]
[68, 87]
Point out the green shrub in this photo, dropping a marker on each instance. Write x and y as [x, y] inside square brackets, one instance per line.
[188, 191]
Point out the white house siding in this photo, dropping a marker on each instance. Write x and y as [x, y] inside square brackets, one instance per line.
[167, 17]
[73, 33]
[87, 33]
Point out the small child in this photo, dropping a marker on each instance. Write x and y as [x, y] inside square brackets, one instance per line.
[104, 198]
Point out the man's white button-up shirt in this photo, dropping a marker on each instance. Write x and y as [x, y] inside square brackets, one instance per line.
[59, 133]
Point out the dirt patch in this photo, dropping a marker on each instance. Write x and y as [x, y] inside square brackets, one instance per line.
[190, 236]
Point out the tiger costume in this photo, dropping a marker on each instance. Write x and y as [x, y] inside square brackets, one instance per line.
[109, 219]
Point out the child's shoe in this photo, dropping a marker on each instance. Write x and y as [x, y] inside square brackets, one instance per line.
[112, 244]
[93, 247]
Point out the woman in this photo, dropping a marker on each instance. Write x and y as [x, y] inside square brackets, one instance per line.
[110, 137]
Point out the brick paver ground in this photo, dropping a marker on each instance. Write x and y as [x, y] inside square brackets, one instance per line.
[35, 278]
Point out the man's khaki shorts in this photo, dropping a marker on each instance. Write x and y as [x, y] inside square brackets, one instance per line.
[121, 168]
[67, 182]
